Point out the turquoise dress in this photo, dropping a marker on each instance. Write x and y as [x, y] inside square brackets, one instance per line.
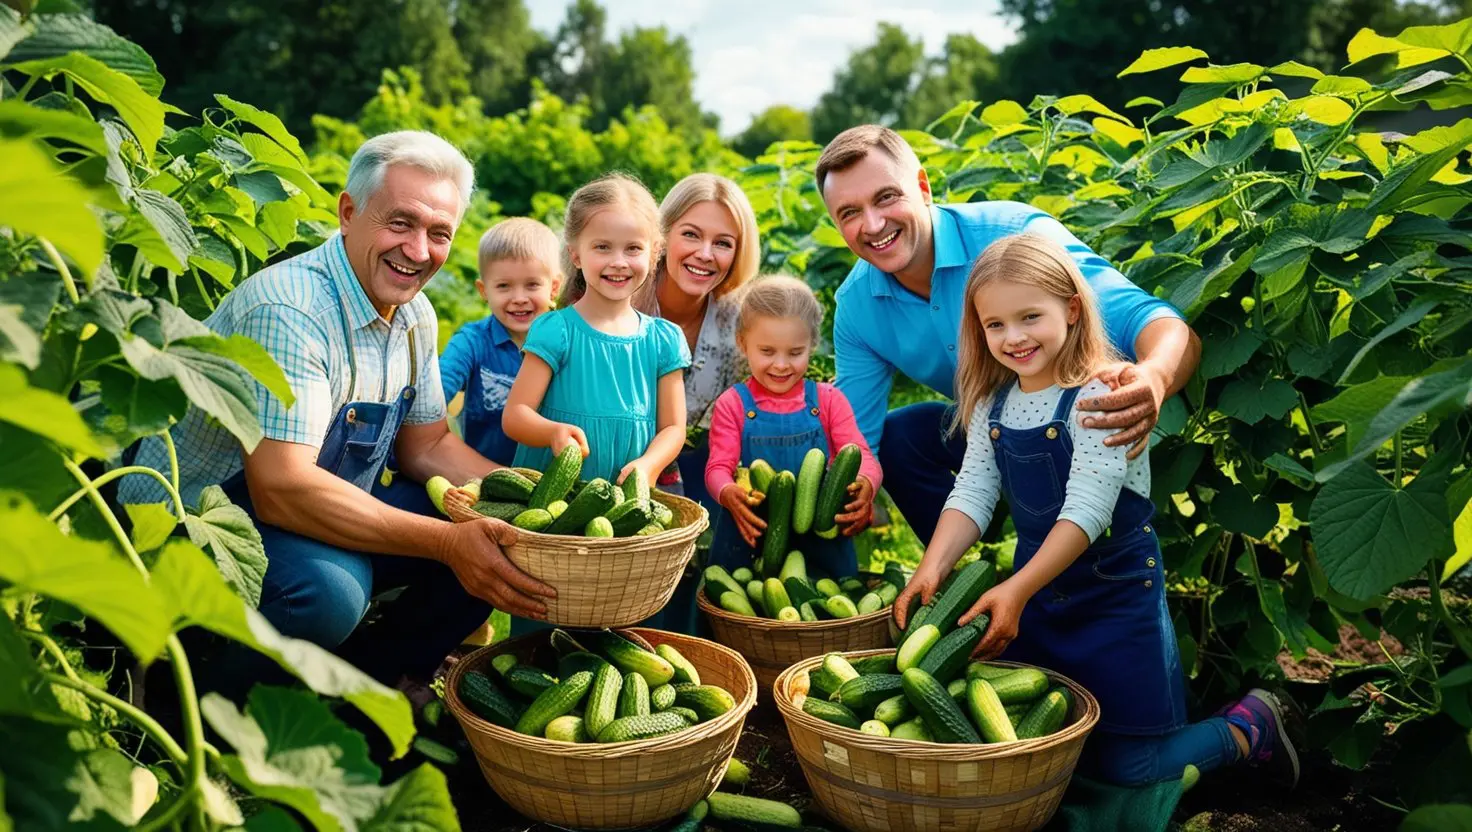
[608, 385]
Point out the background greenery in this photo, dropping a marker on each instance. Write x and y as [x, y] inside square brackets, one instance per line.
[1313, 479]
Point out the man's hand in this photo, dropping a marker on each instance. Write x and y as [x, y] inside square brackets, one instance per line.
[1138, 392]
[473, 551]
[747, 523]
[923, 585]
[860, 510]
[1003, 604]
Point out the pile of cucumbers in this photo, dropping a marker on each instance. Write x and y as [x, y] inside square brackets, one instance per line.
[797, 503]
[598, 687]
[929, 689]
[791, 595]
[560, 503]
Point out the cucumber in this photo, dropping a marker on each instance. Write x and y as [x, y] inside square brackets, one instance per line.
[579, 660]
[853, 587]
[603, 698]
[882, 663]
[805, 612]
[633, 699]
[498, 510]
[718, 580]
[558, 478]
[947, 659]
[707, 701]
[1047, 716]
[833, 712]
[870, 602]
[809, 477]
[894, 710]
[957, 690]
[834, 490]
[944, 717]
[913, 651]
[636, 486]
[686, 714]
[987, 712]
[684, 670]
[504, 662]
[556, 509]
[567, 729]
[662, 698]
[555, 701]
[504, 484]
[1015, 713]
[698, 812]
[631, 658]
[755, 594]
[774, 596]
[596, 498]
[974, 579]
[828, 587]
[629, 516]
[737, 773]
[528, 681]
[533, 519]
[982, 670]
[663, 514]
[652, 528]
[737, 602]
[887, 593]
[779, 522]
[914, 729]
[917, 620]
[789, 614]
[1022, 685]
[795, 566]
[642, 727]
[839, 606]
[875, 728]
[839, 668]
[800, 591]
[863, 694]
[487, 701]
[755, 811]
[762, 475]
[598, 527]
[741, 575]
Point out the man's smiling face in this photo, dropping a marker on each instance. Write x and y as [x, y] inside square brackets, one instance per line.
[882, 208]
[401, 234]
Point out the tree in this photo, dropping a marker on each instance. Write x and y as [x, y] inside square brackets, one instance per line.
[496, 37]
[874, 86]
[648, 66]
[965, 69]
[571, 63]
[774, 124]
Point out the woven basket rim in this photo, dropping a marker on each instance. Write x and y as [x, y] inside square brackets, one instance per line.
[921, 749]
[595, 750]
[682, 506]
[759, 623]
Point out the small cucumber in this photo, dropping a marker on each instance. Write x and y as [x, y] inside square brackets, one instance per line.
[598, 527]
[948, 657]
[914, 729]
[913, 651]
[567, 729]
[753, 811]
[742, 575]
[755, 594]
[870, 602]
[1047, 716]
[864, 694]
[982, 670]
[633, 699]
[875, 728]
[707, 701]
[828, 587]
[805, 612]
[882, 663]
[894, 710]
[557, 508]
[718, 580]
[737, 603]
[774, 596]
[839, 606]
[809, 477]
[1021, 685]
[737, 773]
[762, 473]
[684, 670]
[533, 519]
[795, 566]
[555, 701]
[945, 718]
[833, 712]
[988, 713]
[662, 698]
[789, 614]
[839, 667]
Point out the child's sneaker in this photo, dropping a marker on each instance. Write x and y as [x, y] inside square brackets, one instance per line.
[1270, 723]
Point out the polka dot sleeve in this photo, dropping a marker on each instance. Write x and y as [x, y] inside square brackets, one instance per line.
[978, 483]
[1096, 474]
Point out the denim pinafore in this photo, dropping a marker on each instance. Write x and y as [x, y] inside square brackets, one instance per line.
[783, 439]
[1103, 622]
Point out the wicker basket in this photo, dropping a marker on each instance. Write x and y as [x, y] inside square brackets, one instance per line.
[604, 582]
[879, 783]
[772, 646]
[625, 785]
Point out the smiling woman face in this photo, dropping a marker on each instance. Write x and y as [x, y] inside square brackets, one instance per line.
[401, 234]
[701, 247]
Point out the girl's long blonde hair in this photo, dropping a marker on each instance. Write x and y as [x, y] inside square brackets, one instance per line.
[609, 190]
[1034, 260]
[688, 193]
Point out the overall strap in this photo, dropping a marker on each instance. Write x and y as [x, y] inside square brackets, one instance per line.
[347, 338]
[747, 400]
[1065, 404]
[810, 395]
[413, 358]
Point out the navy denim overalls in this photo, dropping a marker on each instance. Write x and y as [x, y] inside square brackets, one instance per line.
[1102, 622]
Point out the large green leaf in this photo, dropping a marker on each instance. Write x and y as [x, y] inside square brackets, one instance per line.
[1356, 406]
[1455, 38]
[266, 122]
[57, 779]
[199, 596]
[58, 34]
[1439, 817]
[1371, 535]
[152, 523]
[12, 29]
[250, 355]
[227, 532]
[1153, 59]
[1412, 315]
[161, 230]
[1252, 401]
[91, 576]
[417, 802]
[1236, 510]
[44, 413]
[1215, 277]
[40, 200]
[1408, 177]
[143, 113]
[1225, 354]
[18, 342]
[20, 120]
[1450, 388]
[23, 691]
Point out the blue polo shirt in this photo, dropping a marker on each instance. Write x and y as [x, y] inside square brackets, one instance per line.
[880, 327]
[482, 360]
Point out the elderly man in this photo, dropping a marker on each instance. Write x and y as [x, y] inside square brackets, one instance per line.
[356, 339]
[900, 310]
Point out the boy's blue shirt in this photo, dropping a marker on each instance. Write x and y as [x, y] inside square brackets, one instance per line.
[482, 360]
[880, 327]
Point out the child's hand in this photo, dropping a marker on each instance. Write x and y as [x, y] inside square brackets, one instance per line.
[1003, 603]
[640, 463]
[923, 585]
[750, 526]
[860, 510]
[565, 434]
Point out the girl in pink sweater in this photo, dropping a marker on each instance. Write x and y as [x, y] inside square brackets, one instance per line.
[777, 415]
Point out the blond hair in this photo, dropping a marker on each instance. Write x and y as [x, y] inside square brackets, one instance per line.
[1033, 260]
[520, 238]
[852, 145]
[708, 187]
[607, 191]
[779, 296]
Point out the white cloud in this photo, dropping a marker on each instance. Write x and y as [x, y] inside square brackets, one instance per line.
[752, 54]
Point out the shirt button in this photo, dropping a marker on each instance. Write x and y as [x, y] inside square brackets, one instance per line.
[935, 308]
[951, 347]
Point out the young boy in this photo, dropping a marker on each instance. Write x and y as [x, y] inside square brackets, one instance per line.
[519, 275]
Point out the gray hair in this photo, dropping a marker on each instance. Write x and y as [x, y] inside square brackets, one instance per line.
[416, 148]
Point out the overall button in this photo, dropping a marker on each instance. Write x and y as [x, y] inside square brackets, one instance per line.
[1149, 584]
[352, 415]
[1051, 433]
[814, 411]
[751, 414]
[1146, 528]
[1150, 562]
[996, 433]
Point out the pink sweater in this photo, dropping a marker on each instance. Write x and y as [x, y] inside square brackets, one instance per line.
[728, 416]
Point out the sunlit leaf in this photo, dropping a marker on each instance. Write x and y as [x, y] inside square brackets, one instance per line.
[40, 200]
[43, 413]
[228, 533]
[143, 113]
[1153, 59]
[1002, 113]
[58, 34]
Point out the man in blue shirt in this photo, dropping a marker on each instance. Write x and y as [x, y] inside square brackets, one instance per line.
[900, 310]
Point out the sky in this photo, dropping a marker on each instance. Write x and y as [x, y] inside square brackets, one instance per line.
[751, 54]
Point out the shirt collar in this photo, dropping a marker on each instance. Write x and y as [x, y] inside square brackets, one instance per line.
[945, 235]
[500, 336]
[359, 310]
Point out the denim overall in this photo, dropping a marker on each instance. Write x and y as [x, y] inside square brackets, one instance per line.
[783, 439]
[1102, 622]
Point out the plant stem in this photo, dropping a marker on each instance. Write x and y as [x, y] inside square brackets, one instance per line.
[149, 725]
[172, 489]
[51, 647]
[1313, 431]
[165, 818]
[1397, 459]
[21, 93]
[1459, 637]
[173, 468]
[60, 265]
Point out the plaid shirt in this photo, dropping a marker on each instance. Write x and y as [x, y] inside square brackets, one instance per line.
[296, 309]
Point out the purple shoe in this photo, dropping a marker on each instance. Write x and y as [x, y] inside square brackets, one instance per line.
[1270, 723]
